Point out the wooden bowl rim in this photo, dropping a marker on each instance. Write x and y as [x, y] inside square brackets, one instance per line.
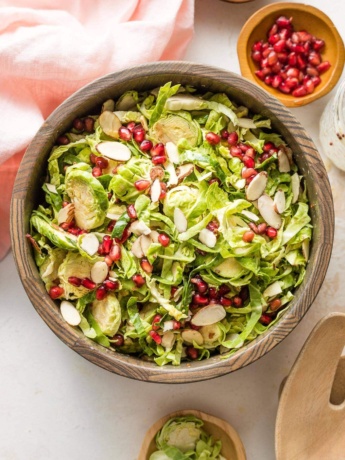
[127, 365]
[255, 20]
[223, 425]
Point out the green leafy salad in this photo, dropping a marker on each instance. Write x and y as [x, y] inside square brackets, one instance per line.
[175, 225]
[183, 438]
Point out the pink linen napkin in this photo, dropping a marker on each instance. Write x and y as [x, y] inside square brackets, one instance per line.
[51, 48]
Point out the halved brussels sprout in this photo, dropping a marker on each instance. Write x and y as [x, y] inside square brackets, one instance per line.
[211, 334]
[49, 268]
[60, 238]
[185, 198]
[107, 313]
[172, 128]
[180, 432]
[74, 265]
[88, 196]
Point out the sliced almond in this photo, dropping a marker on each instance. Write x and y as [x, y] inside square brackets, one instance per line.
[69, 313]
[257, 186]
[305, 249]
[250, 215]
[99, 272]
[295, 185]
[114, 150]
[108, 106]
[272, 290]
[279, 201]
[168, 340]
[184, 171]
[51, 188]
[283, 162]
[66, 214]
[110, 124]
[180, 220]
[138, 227]
[190, 336]
[154, 236]
[90, 244]
[156, 191]
[210, 314]
[173, 179]
[266, 208]
[168, 325]
[208, 238]
[136, 248]
[240, 184]
[172, 152]
[145, 243]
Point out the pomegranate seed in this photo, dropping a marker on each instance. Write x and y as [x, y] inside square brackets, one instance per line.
[236, 152]
[243, 147]
[264, 65]
[74, 280]
[277, 67]
[192, 353]
[214, 180]
[213, 293]
[158, 150]
[132, 213]
[262, 228]
[115, 252]
[173, 290]
[101, 293]
[111, 285]
[102, 162]
[111, 226]
[316, 80]
[213, 226]
[284, 89]
[268, 146]
[256, 56]
[93, 158]
[125, 235]
[248, 161]
[275, 304]
[156, 337]
[248, 236]
[223, 290]
[260, 74]
[266, 52]
[312, 71]
[96, 171]
[237, 301]
[294, 37]
[284, 34]
[138, 280]
[225, 302]
[125, 134]
[279, 46]
[257, 46]
[224, 134]
[146, 146]
[101, 250]
[89, 124]
[268, 80]
[271, 232]
[309, 86]
[301, 63]
[108, 260]
[74, 231]
[146, 266]
[292, 72]
[299, 49]
[65, 226]
[164, 239]
[318, 44]
[62, 140]
[244, 293]
[119, 340]
[55, 292]
[139, 134]
[323, 66]
[249, 179]
[233, 138]
[176, 325]
[159, 159]
[292, 59]
[78, 124]
[314, 58]
[273, 30]
[212, 138]
[274, 38]
[107, 243]
[88, 284]
[291, 82]
[265, 320]
[282, 57]
[163, 191]
[253, 227]
[248, 172]
[277, 81]
[299, 91]
[199, 299]
[250, 152]
[155, 322]
[142, 185]
[131, 126]
[283, 21]
[200, 285]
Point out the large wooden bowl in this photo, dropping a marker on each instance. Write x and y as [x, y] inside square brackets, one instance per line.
[27, 193]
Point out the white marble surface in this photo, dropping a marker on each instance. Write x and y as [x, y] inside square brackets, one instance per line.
[55, 405]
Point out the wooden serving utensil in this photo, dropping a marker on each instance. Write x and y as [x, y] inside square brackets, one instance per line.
[310, 422]
[232, 447]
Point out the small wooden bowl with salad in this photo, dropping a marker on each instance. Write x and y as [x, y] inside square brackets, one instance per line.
[172, 222]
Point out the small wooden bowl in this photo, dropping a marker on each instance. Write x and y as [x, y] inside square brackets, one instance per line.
[232, 447]
[27, 194]
[304, 17]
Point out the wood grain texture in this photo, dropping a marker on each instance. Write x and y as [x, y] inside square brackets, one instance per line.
[311, 415]
[304, 17]
[31, 174]
[232, 447]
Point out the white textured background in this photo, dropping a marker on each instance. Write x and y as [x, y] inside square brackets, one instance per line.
[54, 405]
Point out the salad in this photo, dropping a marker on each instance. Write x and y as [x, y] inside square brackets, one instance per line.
[175, 225]
[182, 438]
